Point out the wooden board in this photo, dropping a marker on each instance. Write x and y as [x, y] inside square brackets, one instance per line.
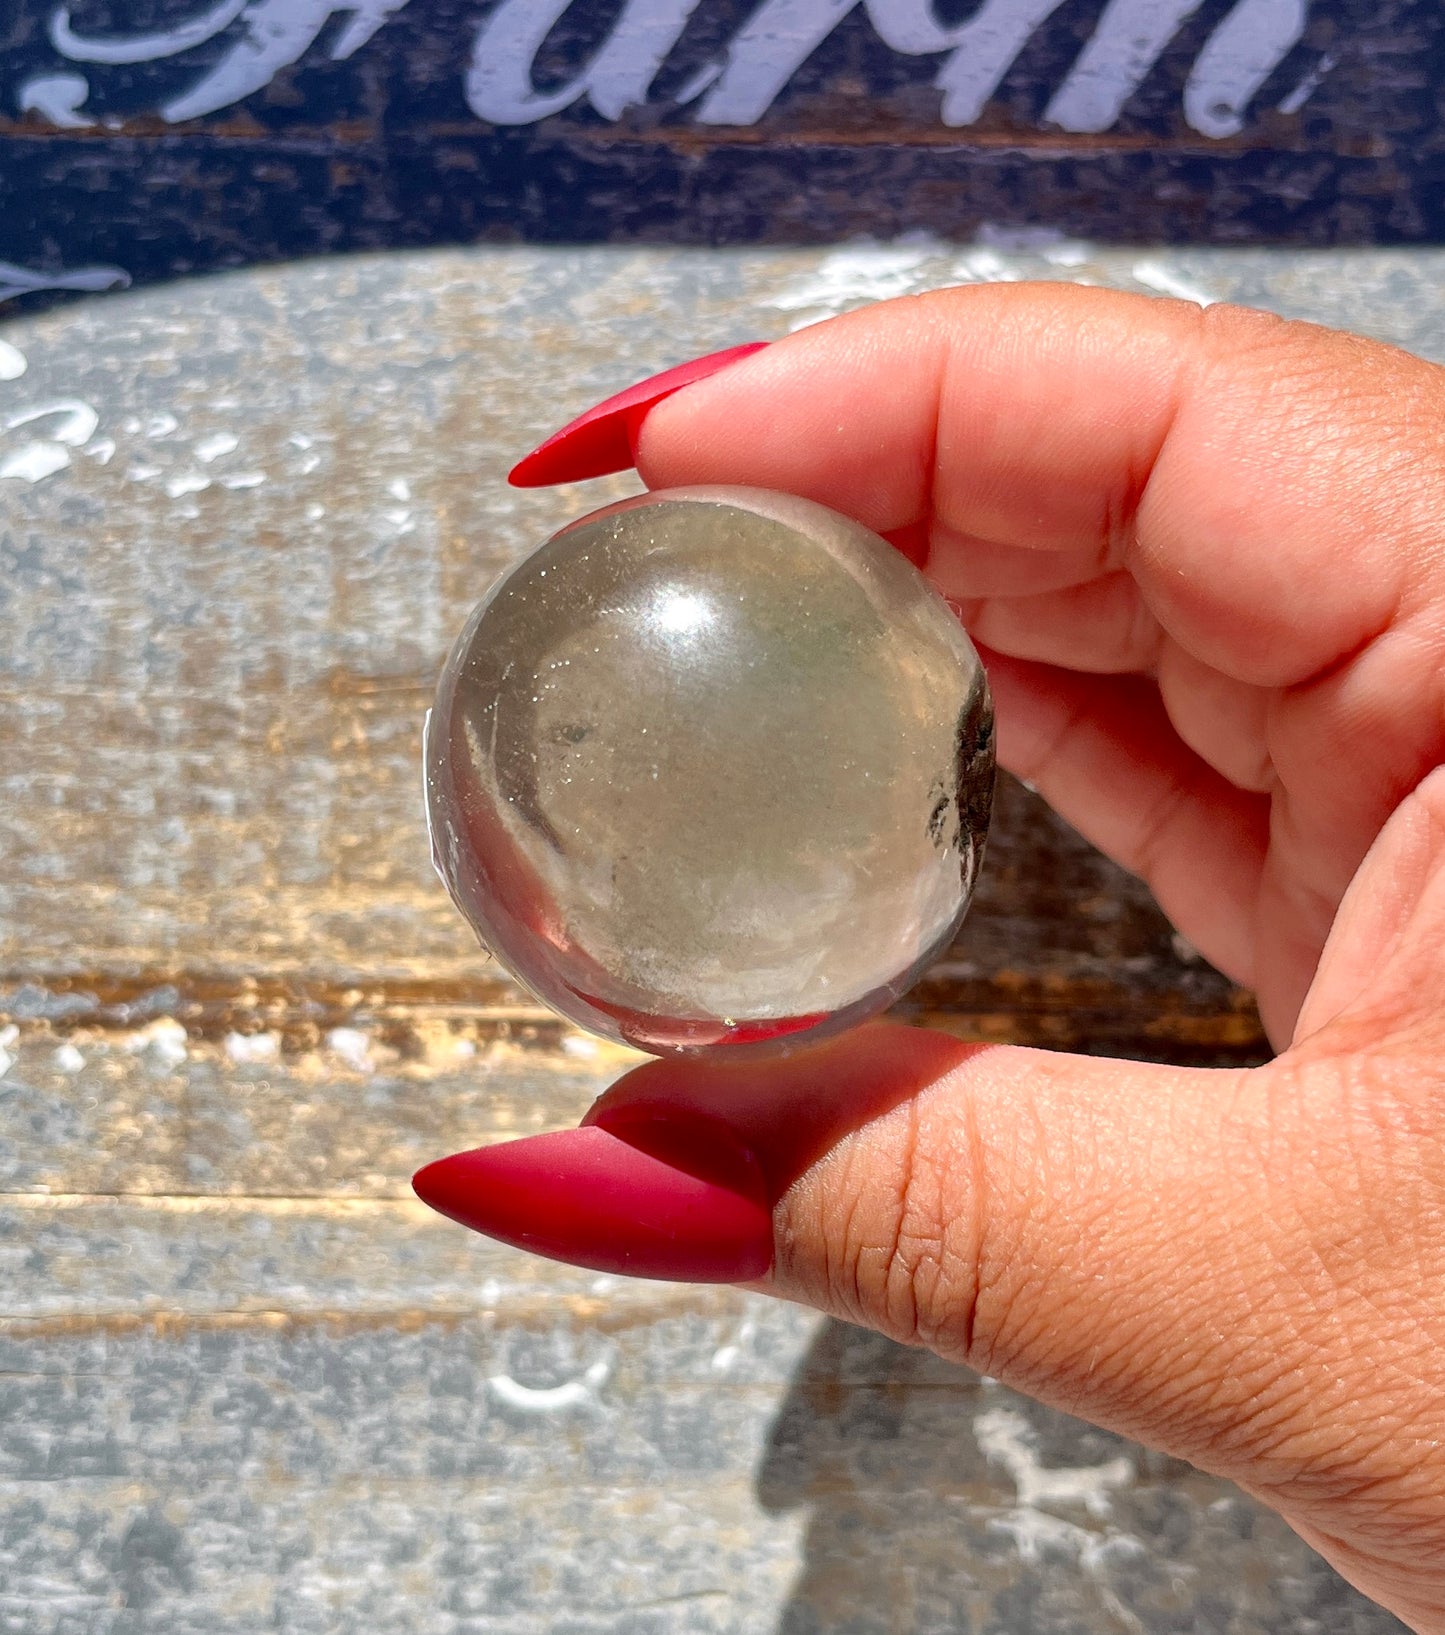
[246, 1382]
[140, 141]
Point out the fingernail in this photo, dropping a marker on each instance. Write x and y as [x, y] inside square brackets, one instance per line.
[602, 441]
[659, 1197]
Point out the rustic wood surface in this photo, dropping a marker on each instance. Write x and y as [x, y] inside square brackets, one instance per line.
[246, 1382]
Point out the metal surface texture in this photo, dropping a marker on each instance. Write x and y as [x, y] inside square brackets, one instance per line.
[246, 1383]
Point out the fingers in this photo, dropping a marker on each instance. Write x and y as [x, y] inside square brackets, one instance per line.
[1380, 972]
[1212, 1263]
[1101, 625]
[1101, 753]
[1270, 486]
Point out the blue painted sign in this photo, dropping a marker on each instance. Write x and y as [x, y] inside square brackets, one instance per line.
[146, 139]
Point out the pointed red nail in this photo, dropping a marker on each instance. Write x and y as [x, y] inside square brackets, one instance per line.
[661, 1199]
[601, 441]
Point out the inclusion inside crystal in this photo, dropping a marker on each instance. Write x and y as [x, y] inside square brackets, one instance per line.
[712, 768]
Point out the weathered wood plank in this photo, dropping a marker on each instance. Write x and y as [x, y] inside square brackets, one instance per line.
[279, 498]
[484, 1477]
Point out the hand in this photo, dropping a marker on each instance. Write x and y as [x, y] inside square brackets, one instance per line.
[1203, 552]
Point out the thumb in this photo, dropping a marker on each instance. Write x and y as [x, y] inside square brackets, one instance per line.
[1089, 1231]
[1198, 1259]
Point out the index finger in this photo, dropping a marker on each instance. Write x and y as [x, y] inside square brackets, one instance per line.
[1199, 450]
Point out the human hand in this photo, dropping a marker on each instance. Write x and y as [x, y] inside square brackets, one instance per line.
[1201, 551]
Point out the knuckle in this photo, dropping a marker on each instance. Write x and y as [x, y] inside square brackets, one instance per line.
[902, 1243]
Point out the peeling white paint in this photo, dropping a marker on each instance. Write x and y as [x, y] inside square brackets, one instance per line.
[353, 1047]
[213, 447]
[8, 1036]
[164, 1038]
[1156, 276]
[189, 482]
[16, 280]
[983, 265]
[854, 276]
[78, 420]
[1069, 252]
[243, 479]
[1006, 1438]
[13, 362]
[1307, 87]
[550, 1400]
[101, 450]
[68, 1059]
[32, 462]
[244, 1048]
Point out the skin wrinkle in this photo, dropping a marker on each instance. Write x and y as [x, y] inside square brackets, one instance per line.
[1236, 748]
[1141, 856]
[930, 461]
[845, 1269]
[1120, 532]
[1107, 622]
[1313, 900]
[1032, 768]
[975, 1282]
[903, 1261]
[1272, 397]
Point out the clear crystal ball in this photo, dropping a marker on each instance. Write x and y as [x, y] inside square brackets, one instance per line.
[712, 770]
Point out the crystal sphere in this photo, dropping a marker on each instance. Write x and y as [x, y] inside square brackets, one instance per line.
[712, 770]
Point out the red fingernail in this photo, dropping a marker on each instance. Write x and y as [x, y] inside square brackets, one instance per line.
[602, 441]
[660, 1198]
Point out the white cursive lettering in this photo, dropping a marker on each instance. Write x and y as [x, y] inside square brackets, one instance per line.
[1236, 60]
[58, 98]
[24, 281]
[141, 47]
[988, 45]
[770, 48]
[265, 36]
[1129, 40]
[278, 33]
[499, 84]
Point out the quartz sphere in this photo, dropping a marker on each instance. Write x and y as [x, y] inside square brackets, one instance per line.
[712, 770]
